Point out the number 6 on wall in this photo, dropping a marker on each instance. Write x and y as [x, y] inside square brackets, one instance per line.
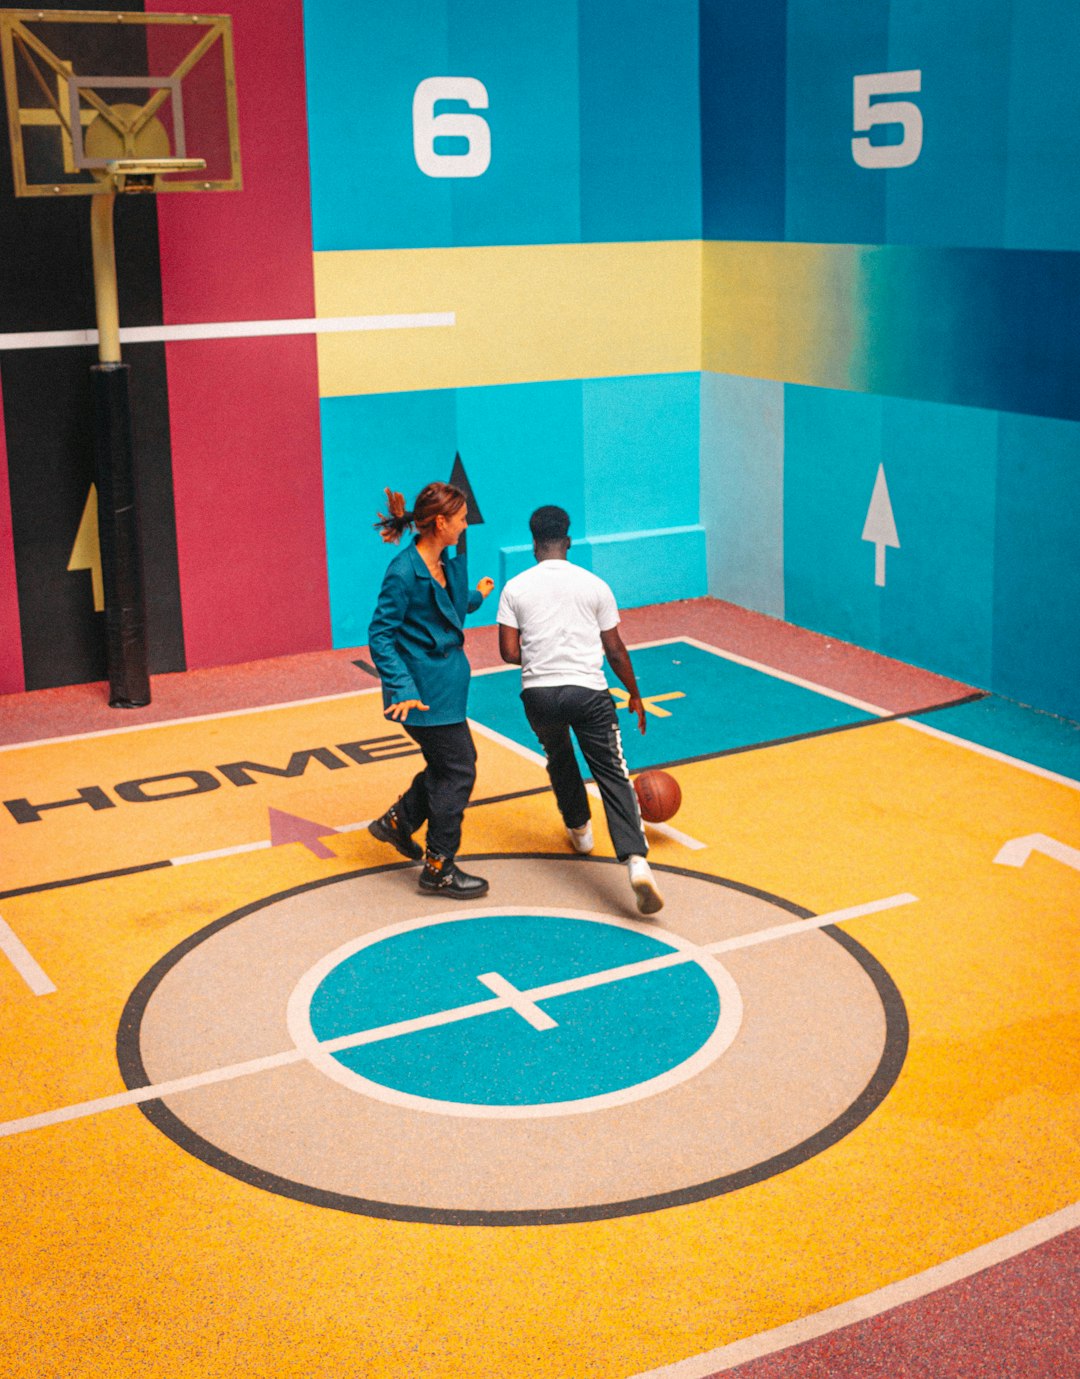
[869, 113]
[427, 127]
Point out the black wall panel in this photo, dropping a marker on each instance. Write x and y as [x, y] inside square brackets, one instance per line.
[46, 283]
[50, 461]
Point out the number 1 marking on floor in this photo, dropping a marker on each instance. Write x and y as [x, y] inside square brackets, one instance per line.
[1017, 850]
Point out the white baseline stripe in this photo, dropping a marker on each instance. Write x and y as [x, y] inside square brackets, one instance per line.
[136, 1095]
[800, 926]
[771, 671]
[916, 723]
[227, 330]
[224, 852]
[991, 752]
[192, 718]
[872, 1304]
[537, 758]
[23, 962]
[255, 847]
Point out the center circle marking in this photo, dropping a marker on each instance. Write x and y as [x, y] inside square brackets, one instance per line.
[258, 1010]
[520, 1013]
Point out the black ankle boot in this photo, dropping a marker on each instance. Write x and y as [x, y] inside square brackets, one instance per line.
[390, 829]
[442, 877]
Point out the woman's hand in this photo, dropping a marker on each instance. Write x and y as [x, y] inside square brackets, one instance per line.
[485, 586]
[399, 711]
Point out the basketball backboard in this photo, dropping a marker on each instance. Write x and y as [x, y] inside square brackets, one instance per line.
[86, 89]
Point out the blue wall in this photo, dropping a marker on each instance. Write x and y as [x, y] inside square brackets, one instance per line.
[933, 333]
[897, 299]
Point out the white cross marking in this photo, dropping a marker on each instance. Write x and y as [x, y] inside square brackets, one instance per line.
[517, 1000]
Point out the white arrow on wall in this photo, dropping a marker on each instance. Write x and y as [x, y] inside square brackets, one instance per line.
[880, 528]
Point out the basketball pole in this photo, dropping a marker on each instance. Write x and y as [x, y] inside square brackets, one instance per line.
[124, 148]
[114, 471]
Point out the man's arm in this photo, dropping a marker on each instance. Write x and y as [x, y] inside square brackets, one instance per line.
[510, 644]
[619, 661]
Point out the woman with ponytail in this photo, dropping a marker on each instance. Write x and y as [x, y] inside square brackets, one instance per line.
[417, 641]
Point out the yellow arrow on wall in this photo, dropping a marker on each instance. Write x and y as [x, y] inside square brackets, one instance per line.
[86, 552]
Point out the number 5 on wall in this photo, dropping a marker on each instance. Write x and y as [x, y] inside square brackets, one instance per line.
[427, 127]
[904, 113]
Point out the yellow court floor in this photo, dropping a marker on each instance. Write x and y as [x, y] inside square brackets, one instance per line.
[268, 1111]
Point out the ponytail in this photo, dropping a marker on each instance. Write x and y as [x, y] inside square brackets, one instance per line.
[392, 526]
[434, 501]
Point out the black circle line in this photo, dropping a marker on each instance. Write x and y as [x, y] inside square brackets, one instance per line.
[894, 1052]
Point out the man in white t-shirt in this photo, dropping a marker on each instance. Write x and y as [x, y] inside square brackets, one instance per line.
[558, 622]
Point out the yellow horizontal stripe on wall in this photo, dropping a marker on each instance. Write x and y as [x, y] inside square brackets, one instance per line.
[780, 311]
[523, 313]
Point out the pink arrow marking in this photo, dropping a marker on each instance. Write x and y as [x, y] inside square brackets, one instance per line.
[289, 828]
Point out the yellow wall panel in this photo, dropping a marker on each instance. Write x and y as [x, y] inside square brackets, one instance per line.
[524, 313]
[779, 311]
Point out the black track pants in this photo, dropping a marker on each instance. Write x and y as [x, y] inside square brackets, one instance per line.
[552, 711]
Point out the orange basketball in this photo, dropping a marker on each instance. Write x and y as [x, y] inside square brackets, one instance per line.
[658, 795]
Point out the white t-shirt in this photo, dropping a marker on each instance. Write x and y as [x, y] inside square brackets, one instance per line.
[560, 611]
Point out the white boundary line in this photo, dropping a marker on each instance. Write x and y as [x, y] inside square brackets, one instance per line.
[872, 1304]
[879, 712]
[915, 723]
[227, 330]
[23, 961]
[193, 718]
[135, 1095]
[991, 752]
[771, 671]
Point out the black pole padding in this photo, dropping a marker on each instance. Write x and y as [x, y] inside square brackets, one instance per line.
[118, 528]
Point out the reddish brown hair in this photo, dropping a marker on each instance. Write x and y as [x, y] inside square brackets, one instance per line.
[433, 501]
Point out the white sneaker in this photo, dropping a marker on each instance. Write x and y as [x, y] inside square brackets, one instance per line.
[581, 838]
[649, 899]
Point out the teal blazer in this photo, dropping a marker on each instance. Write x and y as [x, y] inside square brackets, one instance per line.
[416, 637]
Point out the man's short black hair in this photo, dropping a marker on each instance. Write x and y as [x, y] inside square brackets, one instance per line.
[549, 523]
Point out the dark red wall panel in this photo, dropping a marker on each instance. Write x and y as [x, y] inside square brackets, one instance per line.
[11, 665]
[244, 414]
[248, 493]
[238, 256]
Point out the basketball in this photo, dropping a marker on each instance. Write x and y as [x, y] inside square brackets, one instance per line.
[658, 795]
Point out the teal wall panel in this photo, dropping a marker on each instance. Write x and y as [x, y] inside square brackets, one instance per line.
[640, 120]
[937, 602]
[1037, 565]
[521, 446]
[945, 302]
[742, 490]
[528, 59]
[646, 567]
[829, 197]
[1042, 195]
[641, 452]
[397, 440]
[591, 112]
[955, 192]
[935, 606]
[832, 449]
[743, 117]
[366, 190]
